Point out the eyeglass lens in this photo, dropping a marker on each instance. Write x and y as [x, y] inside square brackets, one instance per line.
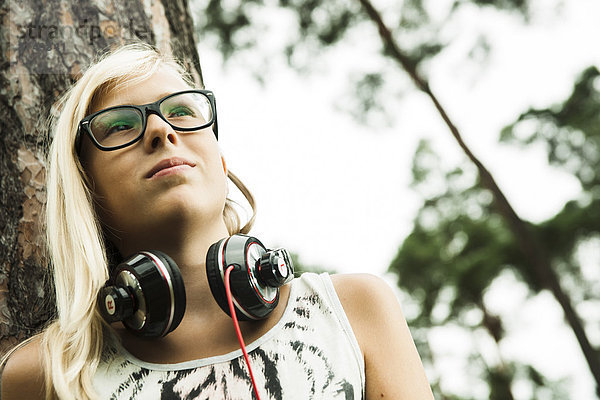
[121, 125]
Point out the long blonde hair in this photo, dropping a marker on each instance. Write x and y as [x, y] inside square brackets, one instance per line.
[72, 344]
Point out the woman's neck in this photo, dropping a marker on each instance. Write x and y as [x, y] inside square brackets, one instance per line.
[187, 246]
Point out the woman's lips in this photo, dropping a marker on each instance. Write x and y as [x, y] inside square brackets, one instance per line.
[169, 166]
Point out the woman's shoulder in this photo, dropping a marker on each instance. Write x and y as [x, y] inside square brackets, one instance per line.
[362, 289]
[368, 300]
[23, 373]
[392, 365]
[362, 296]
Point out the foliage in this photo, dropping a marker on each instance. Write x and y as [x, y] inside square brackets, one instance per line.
[519, 6]
[227, 24]
[313, 26]
[459, 245]
[570, 131]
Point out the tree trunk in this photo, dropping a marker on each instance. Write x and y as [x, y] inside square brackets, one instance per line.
[45, 47]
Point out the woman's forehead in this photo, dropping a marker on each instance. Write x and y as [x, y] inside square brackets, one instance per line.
[163, 82]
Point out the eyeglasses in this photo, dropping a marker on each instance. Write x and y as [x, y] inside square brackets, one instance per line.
[121, 126]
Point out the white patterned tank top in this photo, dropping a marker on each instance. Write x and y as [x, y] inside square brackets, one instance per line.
[311, 353]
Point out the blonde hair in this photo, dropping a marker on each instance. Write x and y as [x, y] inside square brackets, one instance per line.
[72, 344]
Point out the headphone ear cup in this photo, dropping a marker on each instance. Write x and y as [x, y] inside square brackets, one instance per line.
[179, 298]
[214, 273]
[156, 284]
[252, 299]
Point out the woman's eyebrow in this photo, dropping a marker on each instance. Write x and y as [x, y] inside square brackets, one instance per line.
[152, 100]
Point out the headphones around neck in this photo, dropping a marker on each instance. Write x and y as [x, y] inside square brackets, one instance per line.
[146, 291]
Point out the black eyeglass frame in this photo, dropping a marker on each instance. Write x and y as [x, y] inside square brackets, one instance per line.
[145, 110]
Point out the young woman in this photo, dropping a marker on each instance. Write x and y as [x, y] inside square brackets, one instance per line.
[165, 187]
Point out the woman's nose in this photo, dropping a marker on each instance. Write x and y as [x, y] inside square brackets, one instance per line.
[158, 133]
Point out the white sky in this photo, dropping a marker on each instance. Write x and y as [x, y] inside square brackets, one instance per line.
[336, 192]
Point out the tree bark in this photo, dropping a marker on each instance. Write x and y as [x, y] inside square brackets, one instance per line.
[530, 244]
[45, 47]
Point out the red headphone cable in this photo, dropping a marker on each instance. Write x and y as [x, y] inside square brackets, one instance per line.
[237, 326]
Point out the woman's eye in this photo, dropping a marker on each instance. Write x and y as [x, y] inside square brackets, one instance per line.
[117, 128]
[180, 112]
